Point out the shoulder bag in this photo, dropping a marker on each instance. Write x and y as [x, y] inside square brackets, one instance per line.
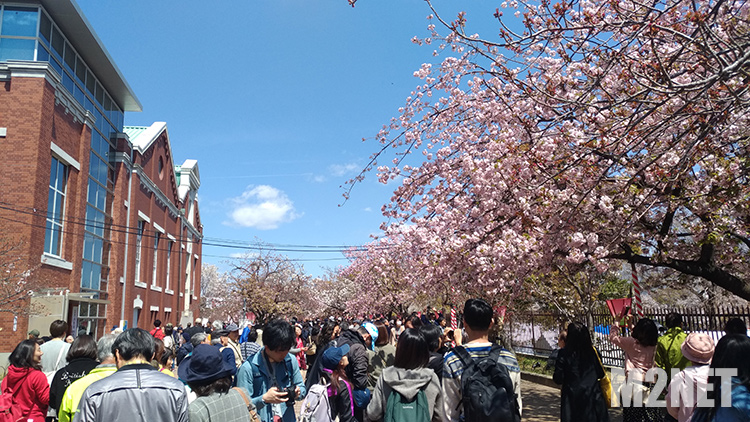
[605, 383]
[250, 407]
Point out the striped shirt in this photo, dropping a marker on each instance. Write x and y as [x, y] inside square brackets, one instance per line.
[453, 368]
[248, 349]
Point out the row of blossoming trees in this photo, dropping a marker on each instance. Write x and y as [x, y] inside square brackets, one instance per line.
[589, 134]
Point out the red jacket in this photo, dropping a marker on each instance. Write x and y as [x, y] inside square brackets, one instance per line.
[30, 391]
[157, 333]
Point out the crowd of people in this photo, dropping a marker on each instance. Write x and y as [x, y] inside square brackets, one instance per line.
[688, 360]
[373, 370]
[380, 369]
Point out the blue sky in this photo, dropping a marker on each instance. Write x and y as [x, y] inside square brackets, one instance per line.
[273, 98]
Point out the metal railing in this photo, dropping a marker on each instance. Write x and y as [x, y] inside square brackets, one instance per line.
[536, 333]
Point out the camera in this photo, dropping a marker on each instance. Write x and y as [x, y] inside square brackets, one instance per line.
[291, 393]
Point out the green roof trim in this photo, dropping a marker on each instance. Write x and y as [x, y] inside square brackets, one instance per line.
[134, 132]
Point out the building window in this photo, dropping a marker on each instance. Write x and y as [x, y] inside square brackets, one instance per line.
[169, 264]
[156, 257]
[55, 207]
[138, 245]
[18, 36]
[192, 281]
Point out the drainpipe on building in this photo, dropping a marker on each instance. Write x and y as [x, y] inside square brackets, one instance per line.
[179, 264]
[127, 238]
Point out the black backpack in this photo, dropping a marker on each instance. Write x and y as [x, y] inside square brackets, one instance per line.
[486, 388]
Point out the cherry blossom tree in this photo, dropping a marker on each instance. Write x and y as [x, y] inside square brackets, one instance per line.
[271, 285]
[588, 131]
[220, 299]
[331, 293]
[18, 280]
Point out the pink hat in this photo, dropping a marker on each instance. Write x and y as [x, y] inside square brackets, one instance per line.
[698, 348]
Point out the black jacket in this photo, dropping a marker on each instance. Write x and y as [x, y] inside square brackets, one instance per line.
[74, 370]
[581, 395]
[313, 372]
[436, 364]
[356, 371]
[183, 351]
[341, 404]
[195, 329]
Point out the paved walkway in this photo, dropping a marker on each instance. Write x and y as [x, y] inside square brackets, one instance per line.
[542, 404]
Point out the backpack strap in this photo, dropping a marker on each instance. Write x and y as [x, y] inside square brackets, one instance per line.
[466, 359]
[59, 356]
[495, 352]
[463, 355]
[351, 396]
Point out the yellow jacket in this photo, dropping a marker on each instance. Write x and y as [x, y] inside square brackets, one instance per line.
[75, 391]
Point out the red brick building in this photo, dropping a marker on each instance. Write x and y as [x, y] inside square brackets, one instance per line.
[100, 211]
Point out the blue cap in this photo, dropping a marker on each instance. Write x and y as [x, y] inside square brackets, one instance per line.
[332, 356]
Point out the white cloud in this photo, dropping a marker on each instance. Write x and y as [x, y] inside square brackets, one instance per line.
[338, 170]
[244, 255]
[262, 207]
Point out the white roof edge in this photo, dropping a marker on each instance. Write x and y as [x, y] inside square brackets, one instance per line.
[190, 168]
[69, 17]
[144, 141]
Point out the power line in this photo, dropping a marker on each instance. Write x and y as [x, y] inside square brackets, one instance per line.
[289, 259]
[215, 242]
[166, 249]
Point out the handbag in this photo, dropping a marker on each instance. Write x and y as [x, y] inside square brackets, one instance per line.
[605, 383]
[311, 349]
[250, 407]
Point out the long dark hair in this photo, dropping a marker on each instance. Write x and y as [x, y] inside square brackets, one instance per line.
[578, 340]
[731, 352]
[325, 333]
[23, 355]
[412, 351]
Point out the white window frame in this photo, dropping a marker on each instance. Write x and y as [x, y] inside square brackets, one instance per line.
[154, 285]
[138, 252]
[57, 225]
[170, 244]
[192, 276]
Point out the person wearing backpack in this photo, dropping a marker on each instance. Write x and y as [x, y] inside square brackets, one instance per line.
[24, 389]
[332, 397]
[157, 331]
[408, 391]
[478, 365]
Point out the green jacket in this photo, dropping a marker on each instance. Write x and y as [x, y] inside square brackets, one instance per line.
[74, 392]
[668, 354]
